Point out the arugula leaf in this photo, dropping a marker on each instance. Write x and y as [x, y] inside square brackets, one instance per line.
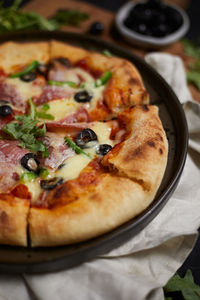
[186, 286]
[107, 53]
[45, 107]
[69, 17]
[194, 77]
[43, 115]
[13, 19]
[76, 148]
[191, 48]
[25, 130]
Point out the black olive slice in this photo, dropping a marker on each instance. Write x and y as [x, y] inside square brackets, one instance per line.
[42, 69]
[96, 28]
[104, 149]
[5, 111]
[3, 102]
[85, 136]
[50, 184]
[29, 161]
[63, 61]
[83, 96]
[28, 77]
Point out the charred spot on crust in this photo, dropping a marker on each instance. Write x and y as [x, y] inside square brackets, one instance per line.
[145, 107]
[136, 153]
[96, 197]
[161, 151]
[61, 190]
[134, 81]
[3, 217]
[159, 137]
[151, 143]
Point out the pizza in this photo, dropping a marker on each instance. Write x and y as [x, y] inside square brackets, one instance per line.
[81, 151]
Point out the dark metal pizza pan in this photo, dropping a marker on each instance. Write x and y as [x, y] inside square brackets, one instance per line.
[19, 259]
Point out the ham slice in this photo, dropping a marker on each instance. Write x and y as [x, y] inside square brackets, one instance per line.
[58, 150]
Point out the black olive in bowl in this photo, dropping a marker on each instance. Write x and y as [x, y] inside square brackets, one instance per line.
[152, 23]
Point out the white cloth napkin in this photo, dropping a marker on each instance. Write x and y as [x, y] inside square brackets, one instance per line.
[140, 268]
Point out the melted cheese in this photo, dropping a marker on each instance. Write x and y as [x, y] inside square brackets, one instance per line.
[75, 164]
[61, 108]
[27, 89]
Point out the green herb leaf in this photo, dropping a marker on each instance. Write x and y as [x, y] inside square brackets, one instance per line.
[29, 69]
[69, 17]
[194, 77]
[45, 107]
[43, 115]
[186, 285]
[26, 131]
[82, 85]
[62, 83]
[103, 79]
[76, 148]
[191, 48]
[14, 19]
[28, 176]
[107, 53]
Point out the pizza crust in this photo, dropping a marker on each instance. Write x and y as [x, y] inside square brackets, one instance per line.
[114, 201]
[13, 220]
[125, 88]
[16, 55]
[136, 171]
[136, 166]
[143, 155]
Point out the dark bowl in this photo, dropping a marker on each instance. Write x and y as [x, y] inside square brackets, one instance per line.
[19, 259]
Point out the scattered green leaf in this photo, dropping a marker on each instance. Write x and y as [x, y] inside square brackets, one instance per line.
[107, 53]
[14, 18]
[44, 115]
[186, 286]
[76, 148]
[82, 85]
[45, 106]
[25, 130]
[194, 77]
[191, 48]
[69, 17]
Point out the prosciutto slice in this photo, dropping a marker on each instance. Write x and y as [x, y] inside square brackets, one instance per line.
[58, 150]
[10, 156]
[10, 152]
[10, 93]
[53, 93]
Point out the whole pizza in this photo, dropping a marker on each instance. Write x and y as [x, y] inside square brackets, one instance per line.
[81, 149]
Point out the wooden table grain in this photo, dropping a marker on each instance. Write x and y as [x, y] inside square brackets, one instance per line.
[49, 7]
